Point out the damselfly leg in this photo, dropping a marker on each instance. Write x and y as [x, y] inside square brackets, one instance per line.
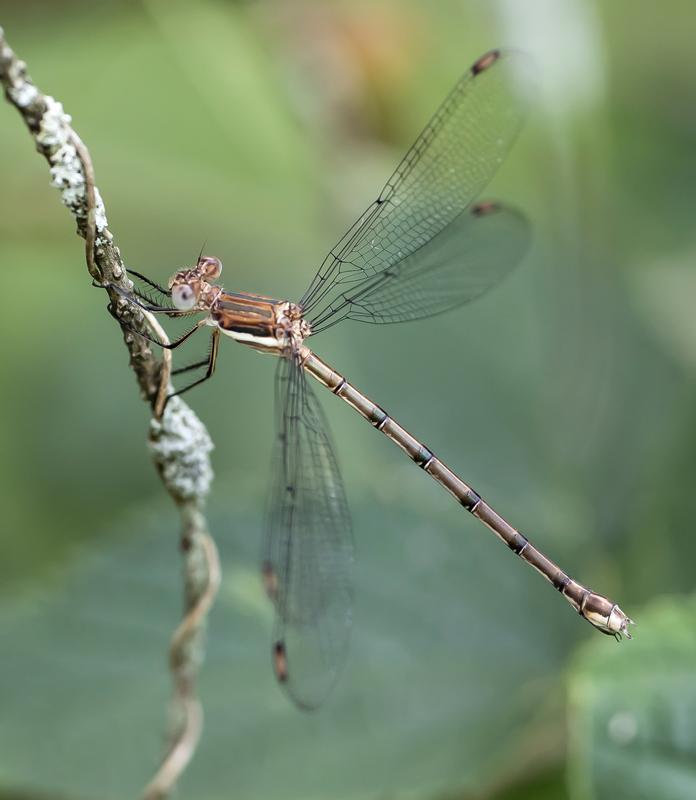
[153, 287]
[156, 299]
[209, 363]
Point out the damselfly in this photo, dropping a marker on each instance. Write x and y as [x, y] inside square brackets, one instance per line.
[425, 246]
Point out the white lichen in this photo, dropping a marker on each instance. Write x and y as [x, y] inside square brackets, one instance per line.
[67, 174]
[56, 139]
[180, 445]
[100, 214]
[54, 129]
[23, 95]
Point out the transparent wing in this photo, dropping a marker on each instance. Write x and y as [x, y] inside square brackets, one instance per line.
[447, 167]
[308, 550]
[471, 255]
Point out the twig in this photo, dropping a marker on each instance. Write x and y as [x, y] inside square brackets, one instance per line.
[183, 662]
[179, 442]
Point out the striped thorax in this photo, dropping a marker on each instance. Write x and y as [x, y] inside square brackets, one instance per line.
[261, 322]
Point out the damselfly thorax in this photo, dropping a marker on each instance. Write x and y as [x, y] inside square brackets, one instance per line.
[260, 322]
[425, 246]
[264, 324]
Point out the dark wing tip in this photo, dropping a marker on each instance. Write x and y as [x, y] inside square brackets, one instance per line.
[270, 580]
[485, 207]
[484, 62]
[280, 662]
[280, 667]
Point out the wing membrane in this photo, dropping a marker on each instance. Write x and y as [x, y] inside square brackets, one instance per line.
[471, 255]
[308, 548]
[447, 167]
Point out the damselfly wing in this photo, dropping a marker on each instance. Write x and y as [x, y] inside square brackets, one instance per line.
[421, 248]
[308, 549]
[425, 246]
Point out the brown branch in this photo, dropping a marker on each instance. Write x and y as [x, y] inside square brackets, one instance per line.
[202, 557]
[179, 442]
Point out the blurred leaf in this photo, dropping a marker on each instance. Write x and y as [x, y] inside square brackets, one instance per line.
[9, 794]
[227, 67]
[633, 711]
[664, 292]
[546, 786]
[452, 680]
[549, 784]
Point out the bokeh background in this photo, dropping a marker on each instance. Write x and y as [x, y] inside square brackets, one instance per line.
[566, 397]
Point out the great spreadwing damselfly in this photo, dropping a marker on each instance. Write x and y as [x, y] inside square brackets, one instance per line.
[426, 245]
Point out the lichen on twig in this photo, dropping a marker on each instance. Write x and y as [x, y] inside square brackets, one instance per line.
[179, 442]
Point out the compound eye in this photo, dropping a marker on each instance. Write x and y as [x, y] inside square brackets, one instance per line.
[183, 297]
[210, 266]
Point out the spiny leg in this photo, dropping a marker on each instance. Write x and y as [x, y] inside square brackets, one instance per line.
[202, 363]
[210, 361]
[149, 282]
[151, 293]
[146, 304]
[173, 345]
[167, 345]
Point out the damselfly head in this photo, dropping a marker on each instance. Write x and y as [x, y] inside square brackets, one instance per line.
[191, 287]
[186, 289]
[210, 267]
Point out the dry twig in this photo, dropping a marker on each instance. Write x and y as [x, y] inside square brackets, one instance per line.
[178, 440]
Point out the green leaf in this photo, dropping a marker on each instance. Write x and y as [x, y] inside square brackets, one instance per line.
[633, 711]
[452, 683]
[547, 785]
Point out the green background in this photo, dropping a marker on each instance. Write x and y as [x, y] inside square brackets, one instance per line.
[566, 397]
